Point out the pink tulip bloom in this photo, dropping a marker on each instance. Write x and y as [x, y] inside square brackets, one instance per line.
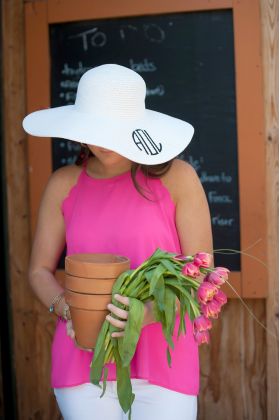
[191, 270]
[220, 297]
[211, 309]
[206, 292]
[202, 337]
[201, 323]
[214, 278]
[222, 271]
[202, 259]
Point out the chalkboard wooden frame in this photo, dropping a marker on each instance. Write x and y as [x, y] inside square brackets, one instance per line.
[251, 281]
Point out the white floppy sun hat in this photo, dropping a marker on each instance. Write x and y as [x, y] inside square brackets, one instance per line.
[110, 112]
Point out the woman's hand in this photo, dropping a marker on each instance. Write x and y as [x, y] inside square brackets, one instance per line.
[69, 329]
[120, 313]
[71, 333]
[62, 309]
[123, 315]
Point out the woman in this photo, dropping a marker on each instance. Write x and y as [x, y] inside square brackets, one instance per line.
[129, 197]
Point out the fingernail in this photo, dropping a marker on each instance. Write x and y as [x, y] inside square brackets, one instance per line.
[109, 306]
[116, 296]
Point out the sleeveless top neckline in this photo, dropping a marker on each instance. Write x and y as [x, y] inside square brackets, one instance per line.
[104, 180]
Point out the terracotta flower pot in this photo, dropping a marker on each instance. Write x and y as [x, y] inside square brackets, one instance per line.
[89, 279]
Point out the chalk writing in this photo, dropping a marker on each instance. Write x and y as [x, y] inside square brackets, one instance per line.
[93, 36]
[70, 146]
[213, 197]
[143, 66]
[196, 163]
[222, 177]
[96, 38]
[157, 91]
[152, 32]
[220, 221]
[74, 71]
[69, 160]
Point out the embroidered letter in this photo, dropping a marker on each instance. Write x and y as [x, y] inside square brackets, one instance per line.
[145, 143]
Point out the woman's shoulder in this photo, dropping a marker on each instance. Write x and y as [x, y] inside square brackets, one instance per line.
[63, 179]
[180, 179]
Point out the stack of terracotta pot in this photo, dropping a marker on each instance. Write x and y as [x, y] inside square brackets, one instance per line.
[89, 279]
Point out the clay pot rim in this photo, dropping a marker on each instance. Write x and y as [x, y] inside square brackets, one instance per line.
[87, 293]
[90, 278]
[89, 310]
[76, 257]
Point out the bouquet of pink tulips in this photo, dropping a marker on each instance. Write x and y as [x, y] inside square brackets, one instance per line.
[162, 278]
[211, 300]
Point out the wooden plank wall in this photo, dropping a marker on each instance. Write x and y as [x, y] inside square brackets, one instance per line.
[233, 376]
[270, 55]
[32, 326]
[1, 230]
[234, 367]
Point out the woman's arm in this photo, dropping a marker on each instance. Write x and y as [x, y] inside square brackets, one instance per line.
[193, 219]
[49, 240]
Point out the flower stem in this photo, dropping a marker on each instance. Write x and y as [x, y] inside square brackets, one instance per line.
[110, 356]
[108, 349]
[192, 282]
[145, 289]
[230, 251]
[145, 264]
[132, 286]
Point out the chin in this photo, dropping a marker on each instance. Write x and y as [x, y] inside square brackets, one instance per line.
[110, 156]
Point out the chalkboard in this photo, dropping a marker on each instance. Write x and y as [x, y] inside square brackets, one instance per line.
[187, 61]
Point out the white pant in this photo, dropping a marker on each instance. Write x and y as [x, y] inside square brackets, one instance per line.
[151, 402]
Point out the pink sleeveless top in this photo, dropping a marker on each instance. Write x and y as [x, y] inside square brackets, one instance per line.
[109, 215]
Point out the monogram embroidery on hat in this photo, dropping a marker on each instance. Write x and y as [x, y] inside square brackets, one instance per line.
[142, 138]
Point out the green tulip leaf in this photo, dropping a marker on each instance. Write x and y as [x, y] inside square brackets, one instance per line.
[158, 291]
[170, 316]
[158, 315]
[104, 381]
[124, 387]
[182, 326]
[120, 280]
[97, 363]
[128, 343]
[168, 356]
[169, 266]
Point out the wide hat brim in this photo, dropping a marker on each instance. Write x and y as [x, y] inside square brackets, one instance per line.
[151, 139]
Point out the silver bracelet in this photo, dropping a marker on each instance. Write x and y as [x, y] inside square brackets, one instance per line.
[64, 312]
[55, 300]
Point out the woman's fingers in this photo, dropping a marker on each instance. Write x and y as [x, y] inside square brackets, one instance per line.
[69, 329]
[116, 322]
[121, 313]
[82, 348]
[122, 299]
[71, 333]
[117, 334]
